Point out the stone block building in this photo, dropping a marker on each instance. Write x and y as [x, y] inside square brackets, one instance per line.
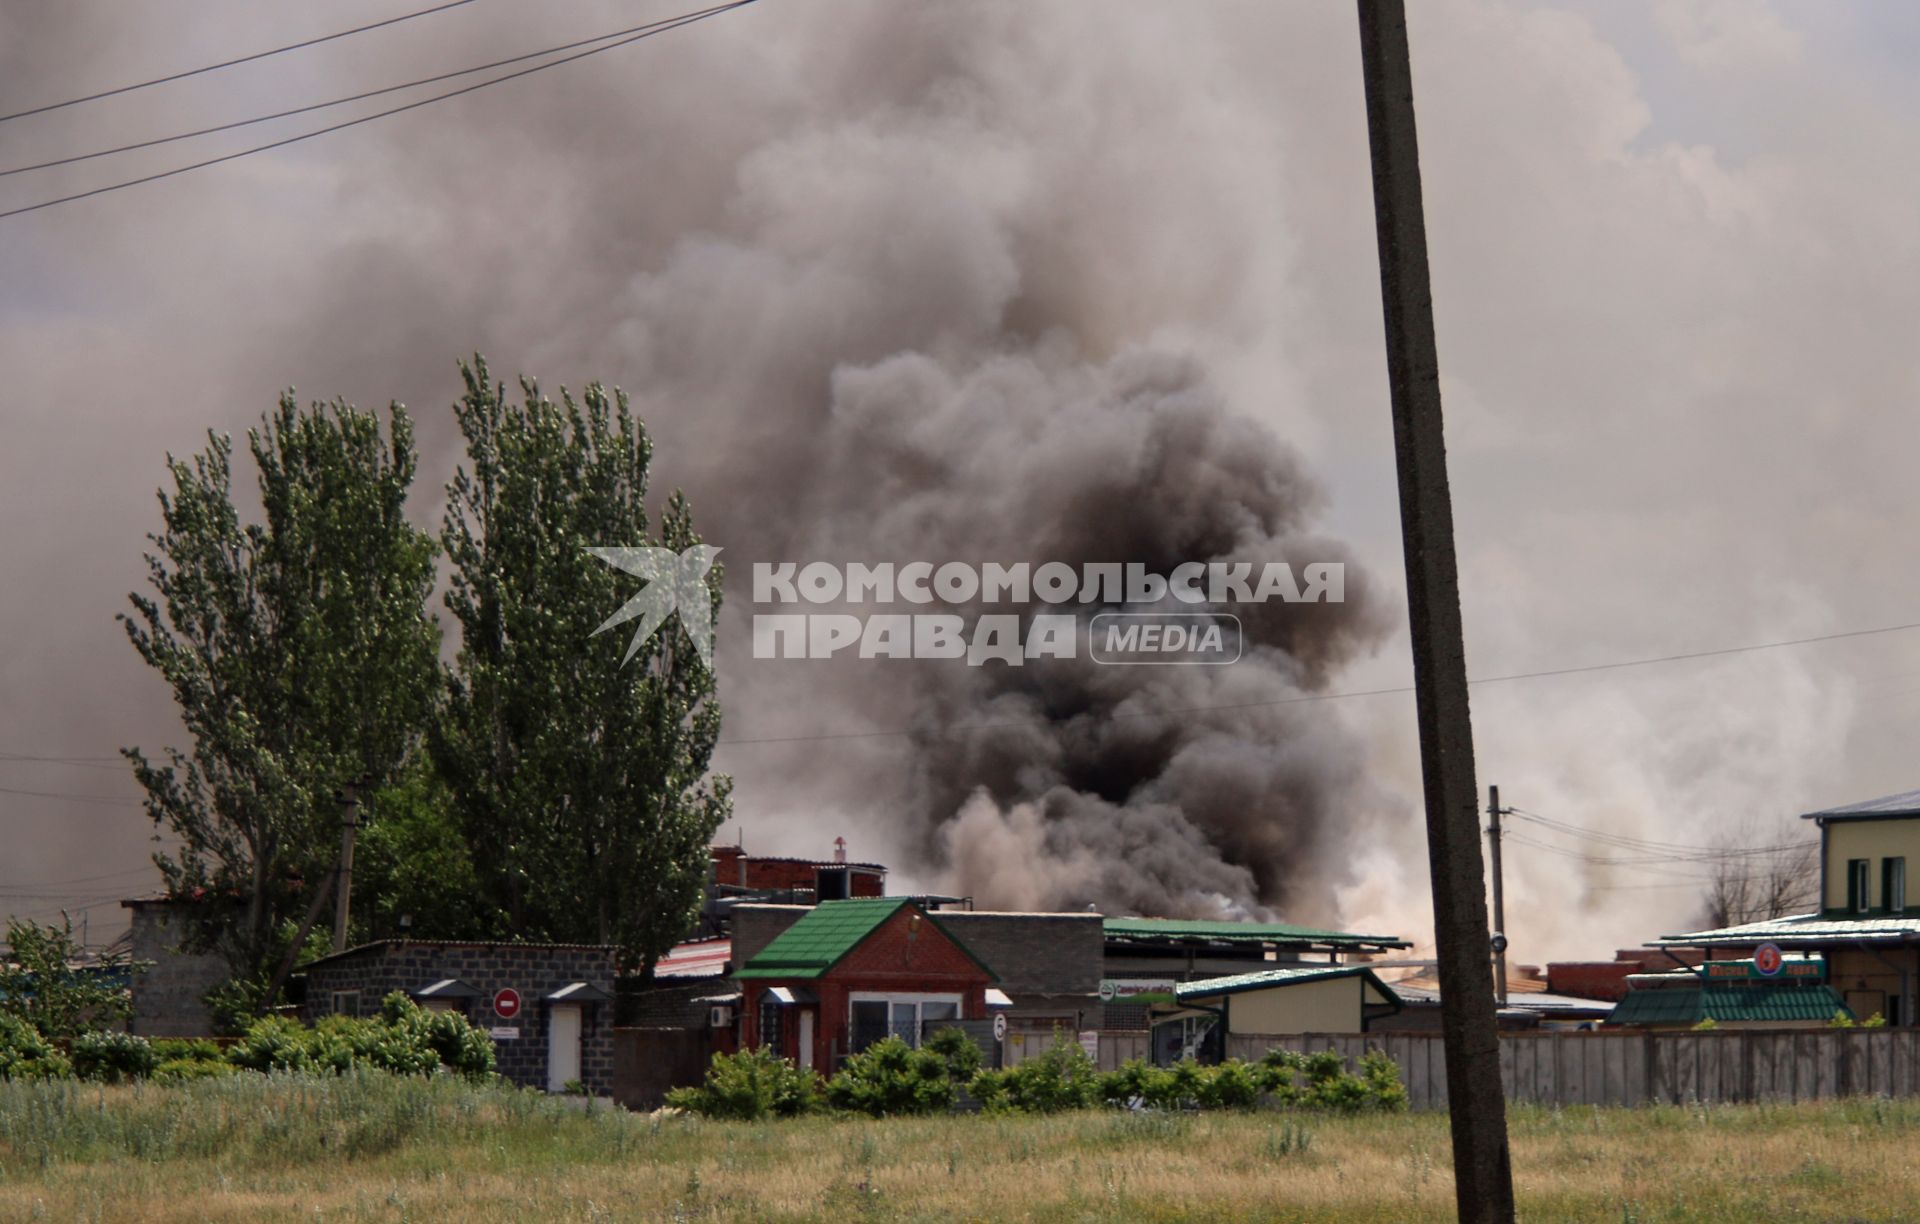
[560, 1030]
[169, 992]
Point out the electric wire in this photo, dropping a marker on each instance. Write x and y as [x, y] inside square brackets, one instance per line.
[244, 59]
[342, 101]
[662, 27]
[1307, 698]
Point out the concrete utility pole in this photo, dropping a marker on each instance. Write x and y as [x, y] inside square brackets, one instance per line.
[1483, 1178]
[1499, 904]
[343, 899]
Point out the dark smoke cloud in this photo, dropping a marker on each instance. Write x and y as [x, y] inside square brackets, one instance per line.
[860, 263]
[878, 300]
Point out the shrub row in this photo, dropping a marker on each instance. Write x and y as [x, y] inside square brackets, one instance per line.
[404, 1039]
[890, 1078]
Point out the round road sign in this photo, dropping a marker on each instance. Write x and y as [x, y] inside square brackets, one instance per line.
[1000, 1027]
[1767, 960]
[506, 1003]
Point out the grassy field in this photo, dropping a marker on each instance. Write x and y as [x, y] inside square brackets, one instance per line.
[379, 1148]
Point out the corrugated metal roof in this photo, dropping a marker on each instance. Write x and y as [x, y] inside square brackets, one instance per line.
[1726, 1003]
[695, 959]
[1268, 979]
[1808, 930]
[1263, 932]
[1906, 803]
[1420, 990]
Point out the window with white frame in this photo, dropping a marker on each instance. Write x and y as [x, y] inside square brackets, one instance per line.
[872, 1015]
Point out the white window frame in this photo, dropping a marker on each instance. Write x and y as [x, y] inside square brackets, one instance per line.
[917, 998]
[1895, 875]
[1862, 873]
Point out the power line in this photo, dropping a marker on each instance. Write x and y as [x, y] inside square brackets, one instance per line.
[103, 800]
[359, 97]
[1625, 842]
[661, 27]
[13, 890]
[69, 762]
[62, 760]
[1305, 698]
[244, 59]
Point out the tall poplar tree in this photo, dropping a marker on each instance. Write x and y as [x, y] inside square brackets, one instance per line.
[300, 654]
[580, 776]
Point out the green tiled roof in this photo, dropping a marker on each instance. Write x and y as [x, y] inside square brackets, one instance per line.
[1268, 978]
[1262, 932]
[1727, 1004]
[823, 935]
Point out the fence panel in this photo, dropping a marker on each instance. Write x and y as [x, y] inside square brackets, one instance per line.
[1637, 1068]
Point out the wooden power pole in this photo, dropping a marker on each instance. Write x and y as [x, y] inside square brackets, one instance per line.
[343, 894]
[1499, 897]
[1483, 1178]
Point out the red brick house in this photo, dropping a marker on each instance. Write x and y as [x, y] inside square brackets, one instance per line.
[849, 973]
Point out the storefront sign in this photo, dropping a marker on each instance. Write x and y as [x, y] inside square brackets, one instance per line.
[1112, 989]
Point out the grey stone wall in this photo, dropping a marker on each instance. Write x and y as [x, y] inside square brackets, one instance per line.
[354, 982]
[168, 996]
[755, 926]
[1048, 964]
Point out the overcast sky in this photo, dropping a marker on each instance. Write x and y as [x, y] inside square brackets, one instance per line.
[1675, 280]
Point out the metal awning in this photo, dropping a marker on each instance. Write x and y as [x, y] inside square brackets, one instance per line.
[448, 988]
[579, 992]
[789, 996]
[997, 997]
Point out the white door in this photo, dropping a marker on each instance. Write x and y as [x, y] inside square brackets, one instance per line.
[806, 1037]
[563, 1045]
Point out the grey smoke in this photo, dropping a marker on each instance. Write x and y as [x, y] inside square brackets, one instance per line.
[1671, 267]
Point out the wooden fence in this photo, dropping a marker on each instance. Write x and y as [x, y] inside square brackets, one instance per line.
[1635, 1068]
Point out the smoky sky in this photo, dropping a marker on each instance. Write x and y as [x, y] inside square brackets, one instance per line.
[859, 264]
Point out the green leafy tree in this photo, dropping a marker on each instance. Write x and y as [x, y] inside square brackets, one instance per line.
[300, 655]
[580, 777]
[43, 984]
[412, 872]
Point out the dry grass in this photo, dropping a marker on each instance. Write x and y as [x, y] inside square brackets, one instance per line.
[382, 1149]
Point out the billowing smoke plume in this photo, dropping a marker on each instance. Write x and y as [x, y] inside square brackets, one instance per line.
[1006, 281]
[1181, 790]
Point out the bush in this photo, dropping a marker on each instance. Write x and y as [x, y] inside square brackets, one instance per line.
[26, 1055]
[1231, 1085]
[1136, 1083]
[112, 1058]
[1060, 1078]
[1329, 1085]
[891, 1078]
[748, 1086]
[406, 1039]
[274, 1043]
[958, 1051]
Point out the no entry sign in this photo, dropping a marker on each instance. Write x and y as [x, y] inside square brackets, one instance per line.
[506, 1003]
